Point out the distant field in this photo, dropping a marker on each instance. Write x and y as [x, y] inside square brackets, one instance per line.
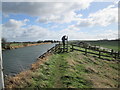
[16, 44]
[107, 44]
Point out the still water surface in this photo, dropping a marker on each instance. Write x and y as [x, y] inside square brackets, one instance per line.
[17, 60]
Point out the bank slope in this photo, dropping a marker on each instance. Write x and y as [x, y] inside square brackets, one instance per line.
[68, 70]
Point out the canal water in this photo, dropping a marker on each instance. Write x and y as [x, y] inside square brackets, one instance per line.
[17, 60]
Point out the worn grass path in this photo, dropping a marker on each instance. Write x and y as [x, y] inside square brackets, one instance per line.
[59, 73]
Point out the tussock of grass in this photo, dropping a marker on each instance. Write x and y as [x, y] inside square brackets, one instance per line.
[68, 70]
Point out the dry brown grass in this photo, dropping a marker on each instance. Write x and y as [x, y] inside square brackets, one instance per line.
[71, 62]
[27, 45]
[101, 74]
[99, 71]
[19, 79]
[40, 61]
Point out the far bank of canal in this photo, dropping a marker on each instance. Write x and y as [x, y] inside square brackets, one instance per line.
[17, 60]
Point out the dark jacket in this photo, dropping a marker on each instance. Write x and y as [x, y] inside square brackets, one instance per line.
[64, 38]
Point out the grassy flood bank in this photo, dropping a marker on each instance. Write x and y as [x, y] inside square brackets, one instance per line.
[20, 45]
[67, 70]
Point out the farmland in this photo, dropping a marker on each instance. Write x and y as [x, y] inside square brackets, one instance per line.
[110, 44]
[107, 44]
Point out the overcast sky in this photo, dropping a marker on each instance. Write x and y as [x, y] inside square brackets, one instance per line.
[85, 20]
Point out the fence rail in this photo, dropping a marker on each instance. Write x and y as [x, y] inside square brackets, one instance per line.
[97, 51]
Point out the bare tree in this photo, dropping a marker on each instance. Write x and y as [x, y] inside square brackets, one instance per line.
[4, 40]
[5, 44]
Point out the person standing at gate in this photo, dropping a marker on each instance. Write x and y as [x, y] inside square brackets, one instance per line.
[63, 41]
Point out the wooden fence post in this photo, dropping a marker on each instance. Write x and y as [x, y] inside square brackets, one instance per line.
[67, 44]
[95, 47]
[55, 48]
[99, 53]
[118, 54]
[72, 48]
[85, 50]
[115, 55]
[59, 48]
[112, 52]
[59, 42]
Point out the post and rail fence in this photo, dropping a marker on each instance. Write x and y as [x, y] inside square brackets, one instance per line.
[94, 50]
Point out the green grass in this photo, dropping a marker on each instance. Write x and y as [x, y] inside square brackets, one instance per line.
[111, 57]
[107, 44]
[110, 44]
[71, 70]
[56, 74]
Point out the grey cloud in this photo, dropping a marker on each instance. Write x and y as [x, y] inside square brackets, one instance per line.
[15, 24]
[32, 8]
[34, 33]
[46, 11]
